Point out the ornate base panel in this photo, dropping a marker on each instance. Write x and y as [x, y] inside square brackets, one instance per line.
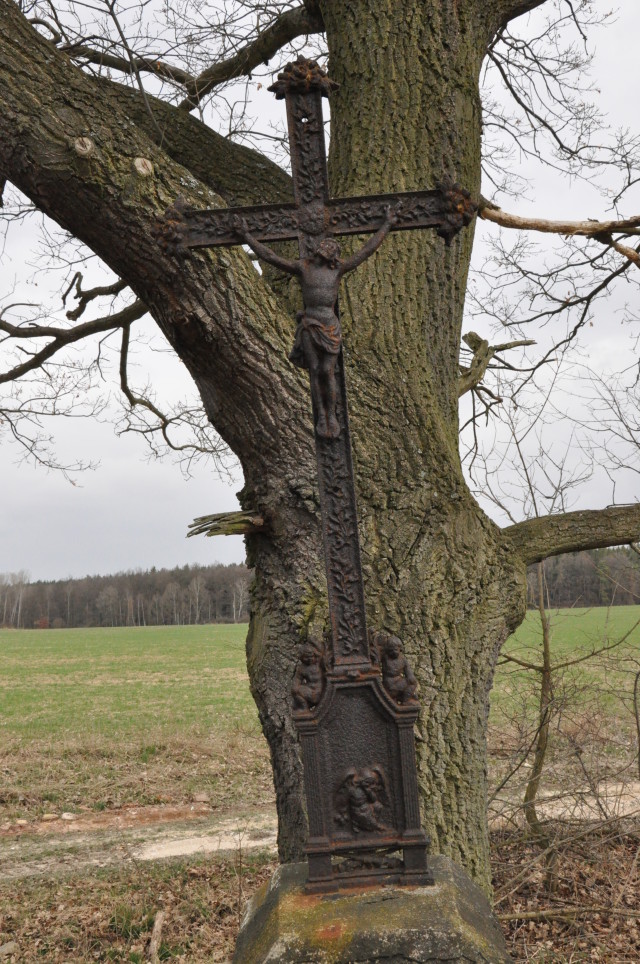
[364, 819]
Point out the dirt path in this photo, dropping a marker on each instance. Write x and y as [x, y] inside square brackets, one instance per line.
[77, 842]
[82, 841]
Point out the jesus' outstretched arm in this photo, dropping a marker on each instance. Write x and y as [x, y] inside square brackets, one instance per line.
[263, 252]
[372, 244]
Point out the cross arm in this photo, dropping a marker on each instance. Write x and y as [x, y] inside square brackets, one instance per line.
[183, 227]
[447, 208]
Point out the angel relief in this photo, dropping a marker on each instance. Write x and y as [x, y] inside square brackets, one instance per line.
[361, 799]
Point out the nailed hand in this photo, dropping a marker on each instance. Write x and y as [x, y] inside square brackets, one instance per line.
[391, 214]
[240, 226]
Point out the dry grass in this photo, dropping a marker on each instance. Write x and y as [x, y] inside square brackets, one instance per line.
[581, 905]
[593, 913]
[109, 916]
[163, 767]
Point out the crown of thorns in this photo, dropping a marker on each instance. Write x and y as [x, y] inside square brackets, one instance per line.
[301, 76]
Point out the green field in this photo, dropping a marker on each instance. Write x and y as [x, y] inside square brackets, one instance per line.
[115, 683]
[579, 628]
[103, 716]
[595, 652]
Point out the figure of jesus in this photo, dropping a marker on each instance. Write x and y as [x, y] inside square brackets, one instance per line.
[318, 335]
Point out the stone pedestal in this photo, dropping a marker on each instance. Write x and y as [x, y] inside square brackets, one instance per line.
[449, 922]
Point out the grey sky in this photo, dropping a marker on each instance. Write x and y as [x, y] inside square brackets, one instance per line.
[131, 513]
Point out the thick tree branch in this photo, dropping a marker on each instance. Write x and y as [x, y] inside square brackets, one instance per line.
[294, 23]
[537, 539]
[237, 173]
[510, 9]
[214, 308]
[601, 231]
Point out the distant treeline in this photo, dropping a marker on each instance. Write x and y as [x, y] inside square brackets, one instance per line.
[185, 595]
[600, 577]
[189, 595]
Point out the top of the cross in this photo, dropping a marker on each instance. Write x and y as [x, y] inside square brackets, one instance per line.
[301, 76]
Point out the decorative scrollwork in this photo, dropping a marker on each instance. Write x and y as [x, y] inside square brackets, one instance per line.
[302, 76]
[341, 539]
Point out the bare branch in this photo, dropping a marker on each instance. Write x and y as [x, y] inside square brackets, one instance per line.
[300, 21]
[483, 353]
[566, 913]
[164, 426]
[56, 36]
[598, 230]
[294, 23]
[84, 297]
[127, 65]
[64, 336]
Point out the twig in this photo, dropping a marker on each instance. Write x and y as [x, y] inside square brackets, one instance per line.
[156, 937]
[568, 913]
[65, 336]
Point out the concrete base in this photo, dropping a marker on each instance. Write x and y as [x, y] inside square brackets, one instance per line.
[448, 923]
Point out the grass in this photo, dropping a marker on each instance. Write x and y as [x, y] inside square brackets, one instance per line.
[91, 719]
[109, 918]
[101, 717]
[118, 682]
[575, 634]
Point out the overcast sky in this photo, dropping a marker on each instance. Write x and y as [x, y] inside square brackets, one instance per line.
[130, 513]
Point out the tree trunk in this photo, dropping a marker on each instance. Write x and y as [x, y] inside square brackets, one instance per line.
[433, 565]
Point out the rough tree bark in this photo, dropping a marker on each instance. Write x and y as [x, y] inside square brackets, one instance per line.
[437, 571]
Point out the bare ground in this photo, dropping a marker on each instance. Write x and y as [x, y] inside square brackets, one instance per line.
[92, 884]
[130, 834]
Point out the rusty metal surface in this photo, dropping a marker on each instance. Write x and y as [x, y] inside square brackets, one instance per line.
[354, 699]
[447, 209]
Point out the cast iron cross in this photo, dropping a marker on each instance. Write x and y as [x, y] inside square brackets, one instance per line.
[374, 804]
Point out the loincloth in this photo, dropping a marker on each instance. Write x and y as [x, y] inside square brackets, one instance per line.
[327, 338]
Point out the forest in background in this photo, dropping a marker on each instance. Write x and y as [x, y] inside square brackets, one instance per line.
[188, 595]
[600, 577]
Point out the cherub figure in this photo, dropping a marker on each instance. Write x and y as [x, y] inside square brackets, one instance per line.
[318, 335]
[308, 681]
[397, 675]
[361, 799]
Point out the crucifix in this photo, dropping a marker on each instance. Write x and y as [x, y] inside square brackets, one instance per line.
[354, 700]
